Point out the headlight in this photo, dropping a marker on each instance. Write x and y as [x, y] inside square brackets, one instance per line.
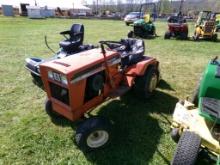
[38, 69]
[63, 79]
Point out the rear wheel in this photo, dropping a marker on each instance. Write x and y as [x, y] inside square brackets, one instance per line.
[187, 149]
[93, 133]
[167, 35]
[184, 35]
[146, 84]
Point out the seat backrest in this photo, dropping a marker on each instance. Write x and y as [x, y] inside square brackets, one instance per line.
[76, 29]
[135, 46]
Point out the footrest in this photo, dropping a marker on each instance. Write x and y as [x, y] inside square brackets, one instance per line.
[210, 106]
[119, 91]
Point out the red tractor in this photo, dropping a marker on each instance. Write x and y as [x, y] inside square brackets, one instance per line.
[177, 27]
[77, 84]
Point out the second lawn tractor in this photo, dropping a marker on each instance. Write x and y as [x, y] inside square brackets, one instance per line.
[177, 26]
[72, 44]
[144, 28]
[217, 22]
[205, 27]
[197, 129]
[77, 84]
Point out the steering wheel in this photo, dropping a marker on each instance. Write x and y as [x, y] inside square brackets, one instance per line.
[115, 45]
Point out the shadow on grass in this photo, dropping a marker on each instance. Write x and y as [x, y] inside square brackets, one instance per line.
[204, 40]
[136, 129]
[164, 85]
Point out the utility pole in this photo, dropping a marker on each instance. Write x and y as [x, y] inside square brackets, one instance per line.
[181, 5]
[97, 7]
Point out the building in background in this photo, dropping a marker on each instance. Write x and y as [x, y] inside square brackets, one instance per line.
[7, 10]
[49, 7]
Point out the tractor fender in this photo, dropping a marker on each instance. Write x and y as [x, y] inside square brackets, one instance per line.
[140, 68]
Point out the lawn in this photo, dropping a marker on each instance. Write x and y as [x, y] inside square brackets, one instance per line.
[141, 129]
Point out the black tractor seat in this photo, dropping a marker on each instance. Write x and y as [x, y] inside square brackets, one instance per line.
[133, 52]
[74, 38]
[176, 19]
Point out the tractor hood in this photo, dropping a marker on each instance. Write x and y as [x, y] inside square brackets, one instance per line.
[80, 62]
[146, 25]
[139, 22]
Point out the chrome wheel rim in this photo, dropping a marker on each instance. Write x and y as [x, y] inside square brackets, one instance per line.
[97, 138]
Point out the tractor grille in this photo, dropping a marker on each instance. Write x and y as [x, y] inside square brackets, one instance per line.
[209, 26]
[59, 93]
[208, 29]
[138, 31]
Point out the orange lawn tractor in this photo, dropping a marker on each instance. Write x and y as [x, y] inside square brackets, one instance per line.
[77, 84]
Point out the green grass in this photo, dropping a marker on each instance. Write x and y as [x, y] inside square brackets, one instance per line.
[27, 135]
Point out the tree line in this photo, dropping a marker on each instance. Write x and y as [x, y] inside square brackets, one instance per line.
[190, 7]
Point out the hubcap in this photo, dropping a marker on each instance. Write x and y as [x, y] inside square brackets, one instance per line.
[153, 83]
[97, 138]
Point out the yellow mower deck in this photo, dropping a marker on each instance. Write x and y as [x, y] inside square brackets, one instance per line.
[186, 117]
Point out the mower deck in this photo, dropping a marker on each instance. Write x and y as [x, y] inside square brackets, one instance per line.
[186, 117]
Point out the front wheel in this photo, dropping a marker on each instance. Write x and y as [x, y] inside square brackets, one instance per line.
[175, 134]
[187, 149]
[195, 36]
[37, 80]
[214, 37]
[167, 35]
[93, 133]
[49, 110]
[146, 84]
[131, 34]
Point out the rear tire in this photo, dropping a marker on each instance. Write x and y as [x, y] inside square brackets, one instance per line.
[187, 149]
[146, 84]
[184, 35]
[93, 133]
